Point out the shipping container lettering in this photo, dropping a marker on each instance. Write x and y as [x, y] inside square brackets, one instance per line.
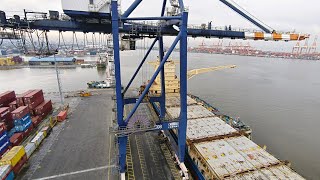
[4, 145]
[5, 113]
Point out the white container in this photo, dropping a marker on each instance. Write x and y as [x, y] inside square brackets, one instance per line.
[174, 100]
[194, 111]
[30, 148]
[84, 8]
[233, 155]
[207, 128]
[38, 139]
[4, 170]
[275, 172]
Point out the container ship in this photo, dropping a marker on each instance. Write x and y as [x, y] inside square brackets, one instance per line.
[218, 146]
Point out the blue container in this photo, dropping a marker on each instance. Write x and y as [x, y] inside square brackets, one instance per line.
[4, 147]
[23, 120]
[23, 127]
[3, 138]
[10, 176]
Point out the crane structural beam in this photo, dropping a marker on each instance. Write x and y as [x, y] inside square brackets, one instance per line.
[246, 16]
[147, 29]
[121, 25]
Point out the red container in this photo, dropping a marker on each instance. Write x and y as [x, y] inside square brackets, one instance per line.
[45, 114]
[35, 103]
[6, 98]
[17, 168]
[21, 96]
[27, 132]
[3, 127]
[20, 112]
[4, 152]
[36, 120]
[43, 107]
[34, 96]
[32, 112]
[13, 105]
[62, 116]
[4, 112]
[16, 139]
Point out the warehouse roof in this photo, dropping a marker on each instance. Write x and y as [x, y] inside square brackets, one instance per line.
[51, 59]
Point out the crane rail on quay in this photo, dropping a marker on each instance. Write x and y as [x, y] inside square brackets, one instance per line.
[104, 17]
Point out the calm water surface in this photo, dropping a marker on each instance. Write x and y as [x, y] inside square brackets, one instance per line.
[279, 99]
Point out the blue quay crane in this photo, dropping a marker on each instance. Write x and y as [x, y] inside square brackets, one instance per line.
[181, 37]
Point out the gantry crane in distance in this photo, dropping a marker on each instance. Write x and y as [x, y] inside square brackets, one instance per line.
[104, 17]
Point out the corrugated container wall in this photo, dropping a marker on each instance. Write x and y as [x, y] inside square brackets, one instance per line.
[20, 97]
[20, 112]
[30, 148]
[13, 156]
[43, 107]
[4, 171]
[6, 98]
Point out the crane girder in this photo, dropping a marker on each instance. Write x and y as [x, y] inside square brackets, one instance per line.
[144, 30]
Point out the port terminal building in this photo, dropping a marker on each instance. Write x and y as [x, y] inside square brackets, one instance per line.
[52, 60]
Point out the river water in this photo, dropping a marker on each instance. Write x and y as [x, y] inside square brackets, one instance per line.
[279, 99]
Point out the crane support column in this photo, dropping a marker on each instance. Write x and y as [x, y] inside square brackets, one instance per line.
[119, 99]
[163, 86]
[182, 131]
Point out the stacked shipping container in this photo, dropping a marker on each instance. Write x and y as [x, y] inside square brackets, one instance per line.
[6, 98]
[16, 158]
[5, 117]
[21, 113]
[22, 119]
[4, 139]
[219, 151]
[6, 172]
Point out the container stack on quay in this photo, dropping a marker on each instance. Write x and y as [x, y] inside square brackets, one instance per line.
[10, 61]
[4, 139]
[6, 172]
[19, 116]
[15, 158]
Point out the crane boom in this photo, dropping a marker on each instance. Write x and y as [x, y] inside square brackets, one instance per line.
[193, 72]
[248, 16]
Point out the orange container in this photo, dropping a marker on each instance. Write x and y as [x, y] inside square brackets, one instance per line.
[62, 116]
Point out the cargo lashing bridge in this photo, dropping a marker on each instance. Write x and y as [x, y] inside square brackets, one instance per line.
[174, 23]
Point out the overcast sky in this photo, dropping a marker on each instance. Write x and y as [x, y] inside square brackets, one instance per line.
[282, 15]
